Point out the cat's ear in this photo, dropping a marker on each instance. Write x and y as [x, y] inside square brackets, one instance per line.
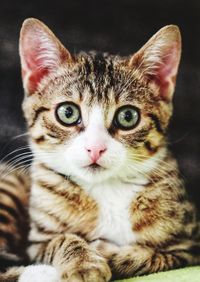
[159, 58]
[41, 53]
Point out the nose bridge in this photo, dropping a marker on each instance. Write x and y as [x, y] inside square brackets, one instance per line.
[95, 135]
[96, 131]
[96, 118]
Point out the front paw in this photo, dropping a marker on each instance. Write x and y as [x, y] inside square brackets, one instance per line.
[94, 269]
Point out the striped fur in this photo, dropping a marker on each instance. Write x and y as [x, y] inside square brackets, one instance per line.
[14, 222]
[129, 213]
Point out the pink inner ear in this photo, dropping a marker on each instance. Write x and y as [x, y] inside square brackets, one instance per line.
[35, 78]
[35, 66]
[34, 69]
[166, 71]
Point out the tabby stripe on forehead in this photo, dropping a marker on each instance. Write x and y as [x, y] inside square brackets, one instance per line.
[88, 83]
[37, 114]
[156, 122]
[87, 67]
[99, 64]
[92, 91]
[108, 82]
[110, 73]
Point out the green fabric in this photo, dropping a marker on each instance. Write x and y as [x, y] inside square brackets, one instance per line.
[188, 274]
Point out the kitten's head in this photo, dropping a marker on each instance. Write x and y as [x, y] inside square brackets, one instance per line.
[96, 116]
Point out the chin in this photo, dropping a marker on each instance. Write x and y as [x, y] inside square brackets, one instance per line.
[93, 175]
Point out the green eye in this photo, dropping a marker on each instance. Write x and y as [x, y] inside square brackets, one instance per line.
[126, 117]
[68, 114]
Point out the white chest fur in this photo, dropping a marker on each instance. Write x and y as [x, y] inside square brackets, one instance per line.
[114, 199]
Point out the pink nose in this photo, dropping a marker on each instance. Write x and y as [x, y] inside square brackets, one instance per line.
[95, 152]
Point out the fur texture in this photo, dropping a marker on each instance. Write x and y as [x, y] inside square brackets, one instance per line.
[106, 200]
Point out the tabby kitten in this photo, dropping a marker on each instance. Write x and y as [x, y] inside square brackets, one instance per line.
[106, 198]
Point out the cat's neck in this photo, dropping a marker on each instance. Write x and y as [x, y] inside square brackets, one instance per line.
[112, 182]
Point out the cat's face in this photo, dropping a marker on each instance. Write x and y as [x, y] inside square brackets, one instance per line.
[94, 116]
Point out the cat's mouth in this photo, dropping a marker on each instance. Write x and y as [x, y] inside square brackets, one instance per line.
[94, 167]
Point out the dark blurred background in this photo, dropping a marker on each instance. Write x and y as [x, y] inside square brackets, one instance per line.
[117, 27]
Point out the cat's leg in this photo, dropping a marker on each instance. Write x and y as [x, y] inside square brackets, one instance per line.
[73, 258]
[139, 259]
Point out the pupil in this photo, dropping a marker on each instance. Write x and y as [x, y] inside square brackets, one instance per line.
[68, 112]
[128, 116]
